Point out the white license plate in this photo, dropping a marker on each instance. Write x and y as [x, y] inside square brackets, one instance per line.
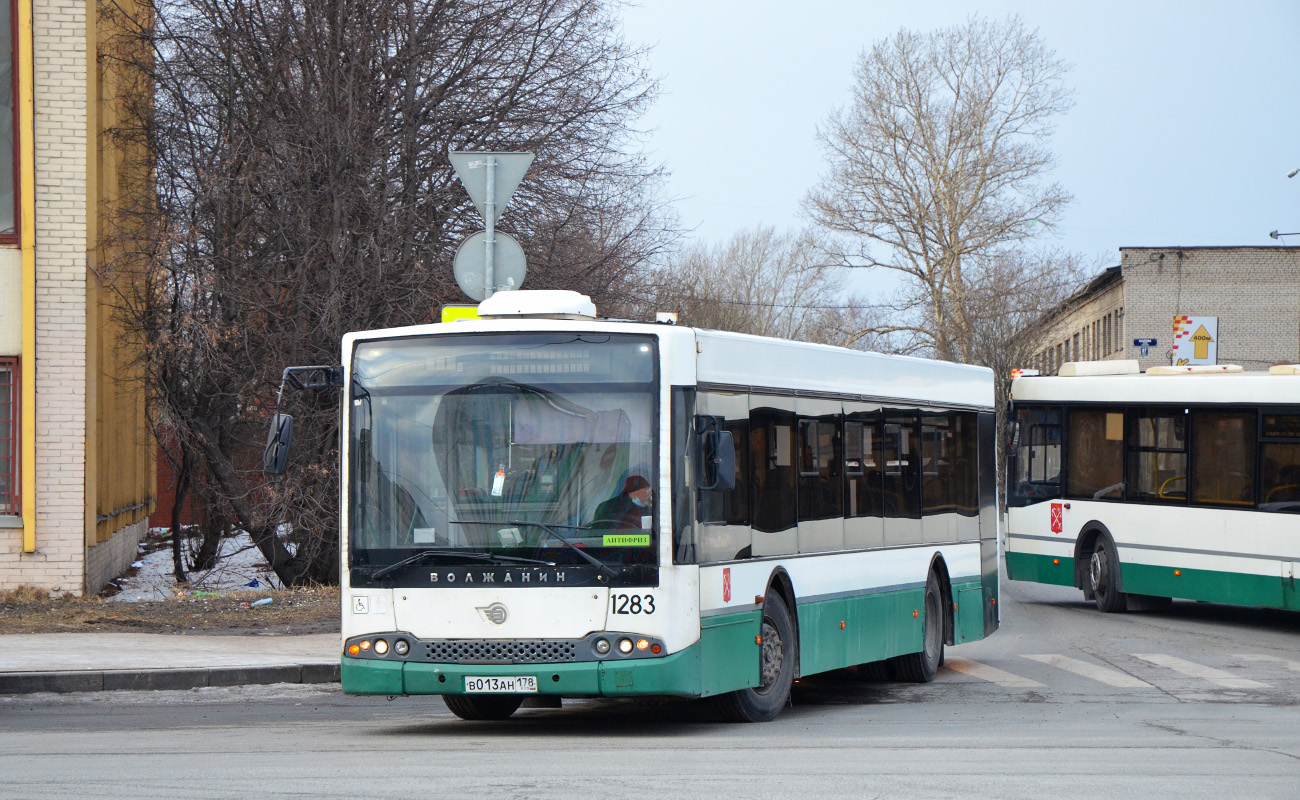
[517, 685]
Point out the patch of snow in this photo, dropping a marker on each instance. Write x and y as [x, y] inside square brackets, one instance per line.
[240, 565]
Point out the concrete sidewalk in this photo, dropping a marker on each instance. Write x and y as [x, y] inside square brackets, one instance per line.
[88, 662]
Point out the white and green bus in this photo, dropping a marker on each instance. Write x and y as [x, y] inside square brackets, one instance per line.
[1183, 482]
[542, 503]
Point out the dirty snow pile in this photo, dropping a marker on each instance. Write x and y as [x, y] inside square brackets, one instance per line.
[240, 567]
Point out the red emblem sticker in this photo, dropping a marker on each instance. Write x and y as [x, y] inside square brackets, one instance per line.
[1058, 518]
[726, 584]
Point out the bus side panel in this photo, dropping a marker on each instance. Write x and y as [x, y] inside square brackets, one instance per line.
[834, 634]
[969, 617]
[988, 499]
[729, 656]
[1234, 588]
[1038, 568]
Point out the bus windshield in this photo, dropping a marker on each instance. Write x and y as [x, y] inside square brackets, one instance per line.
[511, 448]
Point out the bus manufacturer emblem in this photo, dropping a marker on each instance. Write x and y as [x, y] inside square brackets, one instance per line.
[495, 613]
[1058, 518]
[726, 584]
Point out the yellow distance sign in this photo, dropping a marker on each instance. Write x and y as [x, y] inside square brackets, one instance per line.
[453, 313]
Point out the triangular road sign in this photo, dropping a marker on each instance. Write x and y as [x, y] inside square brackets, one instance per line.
[472, 170]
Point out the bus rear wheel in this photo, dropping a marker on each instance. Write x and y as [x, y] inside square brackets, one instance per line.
[1103, 577]
[776, 665]
[921, 667]
[482, 707]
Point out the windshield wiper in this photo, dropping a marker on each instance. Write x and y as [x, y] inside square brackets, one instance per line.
[471, 555]
[550, 530]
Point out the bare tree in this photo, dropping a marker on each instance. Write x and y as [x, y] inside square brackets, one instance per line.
[761, 282]
[936, 170]
[302, 189]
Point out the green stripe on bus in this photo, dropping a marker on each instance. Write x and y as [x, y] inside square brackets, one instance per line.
[1235, 588]
[1040, 569]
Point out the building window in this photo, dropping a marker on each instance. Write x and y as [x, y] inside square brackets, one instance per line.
[8, 116]
[10, 491]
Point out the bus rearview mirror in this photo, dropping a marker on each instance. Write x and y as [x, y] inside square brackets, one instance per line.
[275, 458]
[718, 461]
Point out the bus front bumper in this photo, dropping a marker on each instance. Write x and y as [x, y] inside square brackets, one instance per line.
[676, 674]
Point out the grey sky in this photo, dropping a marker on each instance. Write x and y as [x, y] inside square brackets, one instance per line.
[1187, 115]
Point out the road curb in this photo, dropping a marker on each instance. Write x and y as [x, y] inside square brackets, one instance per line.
[110, 680]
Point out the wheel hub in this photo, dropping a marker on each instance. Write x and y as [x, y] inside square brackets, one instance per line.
[770, 656]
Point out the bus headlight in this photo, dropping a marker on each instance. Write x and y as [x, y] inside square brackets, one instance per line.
[381, 646]
[602, 646]
[401, 647]
[624, 646]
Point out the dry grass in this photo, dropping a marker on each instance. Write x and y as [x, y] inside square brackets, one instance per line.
[313, 609]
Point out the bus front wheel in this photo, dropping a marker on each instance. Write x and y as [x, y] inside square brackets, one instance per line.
[776, 667]
[482, 707]
[1103, 577]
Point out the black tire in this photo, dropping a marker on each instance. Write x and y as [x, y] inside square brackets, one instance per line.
[477, 707]
[778, 654]
[921, 667]
[1103, 577]
[876, 671]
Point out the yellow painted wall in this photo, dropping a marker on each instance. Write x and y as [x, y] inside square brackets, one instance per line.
[121, 479]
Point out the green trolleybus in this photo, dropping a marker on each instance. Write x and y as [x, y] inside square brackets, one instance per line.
[538, 502]
[1183, 482]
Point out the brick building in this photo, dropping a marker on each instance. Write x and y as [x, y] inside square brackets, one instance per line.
[1254, 292]
[76, 464]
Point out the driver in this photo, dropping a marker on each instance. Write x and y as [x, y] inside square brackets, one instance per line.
[625, 510]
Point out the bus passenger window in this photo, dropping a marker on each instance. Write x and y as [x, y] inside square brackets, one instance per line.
[1094, 455]
[1158, 457]
[1223, 458]
[1279, 475]
[1036, 456]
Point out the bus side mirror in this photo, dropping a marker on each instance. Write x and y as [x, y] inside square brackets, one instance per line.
[275, 458]
[1013, 439]
[718, 461]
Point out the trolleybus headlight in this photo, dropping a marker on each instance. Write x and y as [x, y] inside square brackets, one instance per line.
[624, 646]
[642, 644]
[365, 645]
[602, 646]
[401, 647]
[381, 646]
[354, 650]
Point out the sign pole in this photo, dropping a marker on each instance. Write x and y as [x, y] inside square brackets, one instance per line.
[489, 276]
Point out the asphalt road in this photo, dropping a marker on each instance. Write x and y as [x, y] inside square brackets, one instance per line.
[1196, 701]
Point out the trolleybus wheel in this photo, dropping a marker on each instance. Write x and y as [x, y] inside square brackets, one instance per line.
[1103, 577]
[921, 667]
[482, 707]
[776, 667]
